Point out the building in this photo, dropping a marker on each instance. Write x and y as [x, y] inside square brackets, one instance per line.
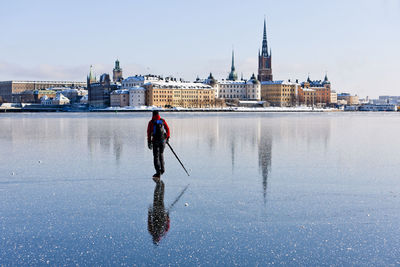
[307, 96]
[264, 59]
[39, 94]
[173, 93]
[60, 99]
[10, 90]
[386, 99]
[351, 100]
[321, 94]
[242, 90]
[99, 91]
[139, 80]
[46, 101]
[232, 88]
[74, 95]
[137, 96]
[334, 99]
[119, 98]
[280, 93]
[117, 73]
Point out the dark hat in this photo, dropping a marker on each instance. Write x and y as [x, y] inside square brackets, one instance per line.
[155, 112]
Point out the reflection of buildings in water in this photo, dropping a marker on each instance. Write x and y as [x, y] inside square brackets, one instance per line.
[99, 135]
[158, 221]
[264, 156]
[117, 145]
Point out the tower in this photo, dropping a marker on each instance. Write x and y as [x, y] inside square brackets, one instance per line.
[117, 72]
[264, 59]
[91, 78]
[233, 75]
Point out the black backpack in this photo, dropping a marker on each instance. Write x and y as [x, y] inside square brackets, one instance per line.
[159, 133]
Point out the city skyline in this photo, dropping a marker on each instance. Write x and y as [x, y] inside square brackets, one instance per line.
[354, 42]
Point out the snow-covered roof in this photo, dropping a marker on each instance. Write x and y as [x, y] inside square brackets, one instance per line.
[308, 90]
[141, 78]
[69, 90]
[120, 92]
[232, 82]
[251, 102]
[278, 82]
[179, 85]
[137, 88]
[60, 96]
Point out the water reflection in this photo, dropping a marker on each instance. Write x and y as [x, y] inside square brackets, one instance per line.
[158, 221]
[264, 157]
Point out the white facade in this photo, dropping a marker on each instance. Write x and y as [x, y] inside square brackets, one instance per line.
[137, 96]
[60, 99]
[243, 90]
[138, 81]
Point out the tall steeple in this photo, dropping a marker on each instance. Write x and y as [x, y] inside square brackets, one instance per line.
[91, 78]
[233, 61]
[117, 72]
[264, 58]
[232, 75]
[264, 41]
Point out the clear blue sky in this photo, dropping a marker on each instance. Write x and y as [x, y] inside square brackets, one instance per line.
[356, 42]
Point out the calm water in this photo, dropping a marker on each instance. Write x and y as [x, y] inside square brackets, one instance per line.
[293, 189]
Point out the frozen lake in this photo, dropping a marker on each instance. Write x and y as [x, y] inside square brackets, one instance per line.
[265, 188]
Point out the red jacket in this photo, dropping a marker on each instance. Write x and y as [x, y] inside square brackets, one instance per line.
[150, 127]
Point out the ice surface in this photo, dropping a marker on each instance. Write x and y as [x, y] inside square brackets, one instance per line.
[265, 188]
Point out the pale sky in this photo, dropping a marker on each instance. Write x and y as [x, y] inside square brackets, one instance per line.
[357, 42]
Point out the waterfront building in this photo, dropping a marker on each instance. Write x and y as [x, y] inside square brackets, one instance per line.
[307, 96]
[173, 93]
[139, 80]
[119, 98]
[117, 73]
[381, 107]
[351, 100]
[10, 91]
[48, 93]
[234, 89]
[321, 94]
[280, 93]
[137, 96]
[45, 100]
[60, 99]
[386, 99]
[84, 99]
[333, 99]
[99, 92]
[265, 59]
[74, 95]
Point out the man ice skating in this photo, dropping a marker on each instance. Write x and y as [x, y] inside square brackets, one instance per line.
[157, 135]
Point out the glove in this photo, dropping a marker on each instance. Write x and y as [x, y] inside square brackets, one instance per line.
[150, 145]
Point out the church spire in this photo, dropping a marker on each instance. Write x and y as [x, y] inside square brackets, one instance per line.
[232, 75]
[264, 49]
[233, 61]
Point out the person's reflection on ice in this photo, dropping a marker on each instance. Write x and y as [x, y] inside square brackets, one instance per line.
[158, 218]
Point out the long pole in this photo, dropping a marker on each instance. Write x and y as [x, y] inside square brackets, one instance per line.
[178, 159]
[177, 198]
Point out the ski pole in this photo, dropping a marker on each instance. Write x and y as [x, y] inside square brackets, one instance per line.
[178, 159]
[177, 199]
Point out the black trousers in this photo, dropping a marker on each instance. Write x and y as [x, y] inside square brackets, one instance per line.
[158, 154]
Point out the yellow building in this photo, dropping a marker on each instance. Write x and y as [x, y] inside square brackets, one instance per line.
[279, 93]
[170, 93]
[119, 98]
